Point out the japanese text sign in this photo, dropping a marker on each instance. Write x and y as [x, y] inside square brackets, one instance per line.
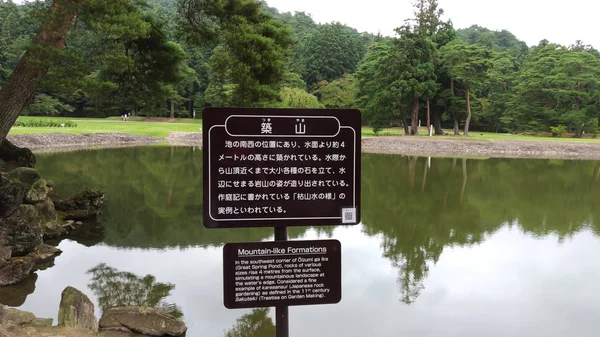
[281, 167]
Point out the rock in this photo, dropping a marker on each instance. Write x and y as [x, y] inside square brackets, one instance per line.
[3, 180]
[53, 230]
[78, 223]
[42, 322]
[18, 317]
[15, 295]
[20, 156]
[11, 197]
[37, 192]
[76, 310]
[20, 236]
[5, 253]
[82, 206]
[46, 210]
[25, 175]
[44, 253]
[15, 270]
[28, 213]
[147, 321]
[3, 310]
[4, 333]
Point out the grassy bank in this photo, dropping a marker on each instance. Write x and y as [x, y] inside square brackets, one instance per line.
[161, 127]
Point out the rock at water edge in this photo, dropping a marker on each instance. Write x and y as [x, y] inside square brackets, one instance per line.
[15, 270]
[76, 310]
[11, 197]
[20, 236]
[147, 321]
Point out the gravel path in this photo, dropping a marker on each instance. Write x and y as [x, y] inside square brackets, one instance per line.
[422, 146]
[66, 140]
[498, 148]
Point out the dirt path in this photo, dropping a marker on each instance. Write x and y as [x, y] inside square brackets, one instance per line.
[423, 146]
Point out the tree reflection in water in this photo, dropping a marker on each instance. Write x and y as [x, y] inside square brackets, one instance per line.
[115, 288]
[257, 323]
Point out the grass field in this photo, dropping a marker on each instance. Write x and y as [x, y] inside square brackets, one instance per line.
[161, 127]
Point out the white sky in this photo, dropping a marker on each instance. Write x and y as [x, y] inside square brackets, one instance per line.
[559, 21]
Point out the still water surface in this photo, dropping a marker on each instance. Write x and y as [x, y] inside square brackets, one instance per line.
[447, 247]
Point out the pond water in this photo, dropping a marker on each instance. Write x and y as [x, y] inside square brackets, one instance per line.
[447, 247]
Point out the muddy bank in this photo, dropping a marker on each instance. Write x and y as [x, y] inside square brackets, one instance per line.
[422, 146]
[426, 146]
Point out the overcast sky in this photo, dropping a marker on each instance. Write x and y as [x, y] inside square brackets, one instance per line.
[559, 21]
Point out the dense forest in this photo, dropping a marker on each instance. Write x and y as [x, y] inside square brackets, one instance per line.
[171, 58]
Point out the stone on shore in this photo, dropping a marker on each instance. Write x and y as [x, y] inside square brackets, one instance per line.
[11, 197]
[76, 310]
[25, 175]
[146, 321]
[20, 236]
[18, 317]
[16, 155]
[15, 270]
[38, 192]
[82, 206]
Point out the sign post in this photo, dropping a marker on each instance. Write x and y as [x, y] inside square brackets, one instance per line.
[279, 168]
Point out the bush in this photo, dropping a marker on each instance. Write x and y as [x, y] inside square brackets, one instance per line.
[558, 131]
[44, 123]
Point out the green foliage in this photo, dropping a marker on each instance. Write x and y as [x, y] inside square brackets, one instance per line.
[558, 131]
[337, 94]
[45, 105]
[334, 50]
[297, 98]
[44, 123]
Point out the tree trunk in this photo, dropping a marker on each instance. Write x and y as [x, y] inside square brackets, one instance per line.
[172, 109]
[437, 124]
[20, 88]
[428, 117]
[414, 122]
[456, 125]
[468, 113]
[412, 166]
[464, 185]
[405, 125]
[424, 178]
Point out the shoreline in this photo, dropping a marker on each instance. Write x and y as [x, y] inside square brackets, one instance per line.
[393, 145]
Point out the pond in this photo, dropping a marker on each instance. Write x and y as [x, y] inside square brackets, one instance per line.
[447, 247]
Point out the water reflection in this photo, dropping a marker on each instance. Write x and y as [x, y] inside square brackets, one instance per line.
[448, 236]
[115, 288]
[257, 323]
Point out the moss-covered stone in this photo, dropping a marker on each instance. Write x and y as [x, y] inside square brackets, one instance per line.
[19, 235]
[147, 321]
[25, 175]
[76, 310]
[18, 317]
[16, 270]
[37, 192]
[17, 155]
[11, 197]
[28, 213]
[45, 209]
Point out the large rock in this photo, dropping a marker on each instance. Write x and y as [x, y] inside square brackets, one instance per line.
[18, 317]
[11, 197]
[19, 156]
[25, 175]
[15, 270]
[82, 206]
[76, 310]
[147, 321]
[19, 235]
[44, 253]
[28, 213]
[37, 192]
[46, 210]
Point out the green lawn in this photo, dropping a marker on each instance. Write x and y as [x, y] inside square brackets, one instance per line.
[160, 127]
[156, 127]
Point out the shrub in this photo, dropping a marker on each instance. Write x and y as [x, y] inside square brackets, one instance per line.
[44, 123]
[558, 131]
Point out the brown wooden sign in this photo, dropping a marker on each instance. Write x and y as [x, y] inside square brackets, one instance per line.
[281, 167]
[282, 273]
